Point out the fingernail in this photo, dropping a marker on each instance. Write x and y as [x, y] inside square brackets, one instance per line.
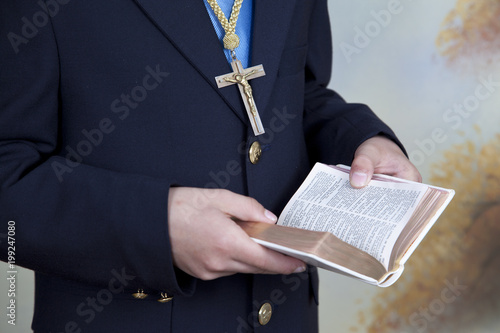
[359, 179]
[270, 216]
[300, 269]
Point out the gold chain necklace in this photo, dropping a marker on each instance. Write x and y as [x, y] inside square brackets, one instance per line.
[231, 39]
[240, 76]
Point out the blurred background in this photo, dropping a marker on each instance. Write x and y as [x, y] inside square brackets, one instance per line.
[431, 70]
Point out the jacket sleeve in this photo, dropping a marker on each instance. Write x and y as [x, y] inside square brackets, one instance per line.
[333, 128]
[91, 222]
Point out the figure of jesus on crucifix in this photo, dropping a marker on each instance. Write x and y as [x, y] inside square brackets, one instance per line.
[240, 77]
[247, 89]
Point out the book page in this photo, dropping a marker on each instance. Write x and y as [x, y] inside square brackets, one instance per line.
[370, 218]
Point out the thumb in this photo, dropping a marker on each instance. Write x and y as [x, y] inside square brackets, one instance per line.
[362, 168]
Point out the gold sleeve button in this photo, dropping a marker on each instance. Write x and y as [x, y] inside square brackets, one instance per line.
[140, 294]
[164, 298]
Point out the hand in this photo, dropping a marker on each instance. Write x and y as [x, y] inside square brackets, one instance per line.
[207, 244]
[380, 155]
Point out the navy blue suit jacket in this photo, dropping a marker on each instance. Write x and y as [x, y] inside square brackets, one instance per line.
[104, 105]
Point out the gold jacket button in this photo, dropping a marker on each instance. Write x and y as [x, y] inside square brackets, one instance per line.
[140, 294]
[164, 298]
[265, 313]
[255, 152]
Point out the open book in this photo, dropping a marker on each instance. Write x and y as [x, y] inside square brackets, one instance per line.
[366, 233]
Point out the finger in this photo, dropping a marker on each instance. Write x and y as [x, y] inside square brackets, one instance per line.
[381, 155]
[244, 208]
[238, 253]
[405, 170]
[256, 259]
[273, 266]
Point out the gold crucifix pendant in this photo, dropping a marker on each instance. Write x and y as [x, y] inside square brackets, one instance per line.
[241, 76]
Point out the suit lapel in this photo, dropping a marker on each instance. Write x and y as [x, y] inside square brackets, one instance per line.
[270, 27]
[186, 24]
